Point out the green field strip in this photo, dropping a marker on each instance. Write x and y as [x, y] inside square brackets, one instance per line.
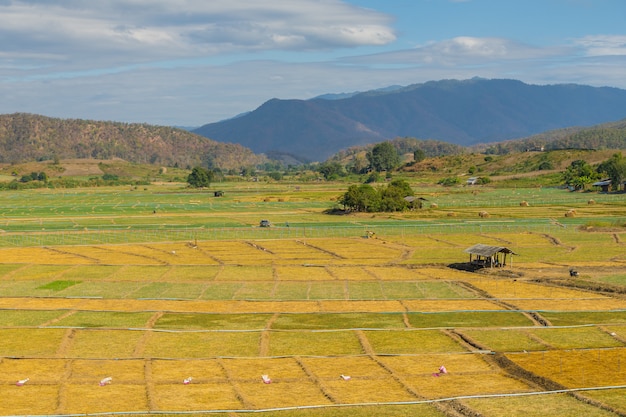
[255, 291]
[24, 318]
[327, 290]
[29, 288]
[202, 273]
[7, 270]
[40, 272]
[30, 342]
[574, 318]
[292, 291]
[179, 321]
[614, 398]
[101, 289]
[317, 321]
[468, 319]
[393, 342]
[221, 290]
[576, 338]
[105, 319]
[505, 340]
[365, 291]
[314, 344]
[555, 405]
[91, 272]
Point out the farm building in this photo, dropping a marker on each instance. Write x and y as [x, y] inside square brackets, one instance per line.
[491, 256]
[415, 202]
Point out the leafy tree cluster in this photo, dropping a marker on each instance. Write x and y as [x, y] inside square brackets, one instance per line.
[200, 177]
[615, 169]
[579, 174]
[34, 176]
[365, 198]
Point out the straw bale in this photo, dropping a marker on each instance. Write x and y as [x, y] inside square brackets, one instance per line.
[451, 214]
[570, 213]
[591, 201]
[483, 214]
[524, 204]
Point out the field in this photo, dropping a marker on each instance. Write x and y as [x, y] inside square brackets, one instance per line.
[344, 314]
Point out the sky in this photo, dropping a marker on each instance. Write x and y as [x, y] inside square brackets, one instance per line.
[192, 62]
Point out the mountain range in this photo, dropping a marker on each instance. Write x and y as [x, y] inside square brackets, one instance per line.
[463, 112]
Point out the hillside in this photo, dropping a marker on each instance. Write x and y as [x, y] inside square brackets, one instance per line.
[28, 137]
[460, 112]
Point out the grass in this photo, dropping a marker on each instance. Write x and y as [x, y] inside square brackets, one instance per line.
[468, 319]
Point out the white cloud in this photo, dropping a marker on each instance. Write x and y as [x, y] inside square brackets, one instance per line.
[603, 45]
[87, 34]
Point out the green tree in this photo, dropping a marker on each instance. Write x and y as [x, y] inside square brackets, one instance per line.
[383, 157]
[579, 174]
[615, 169]
[419, 155]
[200, 177]
[363, 198]
[331, 170]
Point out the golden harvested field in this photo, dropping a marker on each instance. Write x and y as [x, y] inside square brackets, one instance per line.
[331, 322]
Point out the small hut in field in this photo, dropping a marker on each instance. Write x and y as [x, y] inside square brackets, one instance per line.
[489, 256]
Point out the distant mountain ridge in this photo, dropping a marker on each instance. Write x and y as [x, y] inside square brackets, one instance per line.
[466, 113]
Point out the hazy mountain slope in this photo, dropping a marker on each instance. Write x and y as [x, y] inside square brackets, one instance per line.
[461, 112]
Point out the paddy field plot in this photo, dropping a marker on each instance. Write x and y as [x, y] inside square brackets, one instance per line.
[385, 311]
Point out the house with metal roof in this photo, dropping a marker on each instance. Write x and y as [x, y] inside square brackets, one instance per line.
[491, 256]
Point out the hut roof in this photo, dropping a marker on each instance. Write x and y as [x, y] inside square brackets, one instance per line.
[486, 250]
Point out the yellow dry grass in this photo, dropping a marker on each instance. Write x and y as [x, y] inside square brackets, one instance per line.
[41, 255]
[519, 289]
[450, 305]
[577, 368]
[245, 273]
[104, 344]
[20, 400]
[30, 342]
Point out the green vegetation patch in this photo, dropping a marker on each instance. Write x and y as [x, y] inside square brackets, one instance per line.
[58, 285]
[574, 318]
[555, 405]
[27, 317]
[505, 340]
[338, 321]
[469, 319]
[579, 337]
[213, 321]
[412, 342]
[105, 319]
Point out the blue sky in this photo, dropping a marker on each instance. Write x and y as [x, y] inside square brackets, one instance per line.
[191, 62]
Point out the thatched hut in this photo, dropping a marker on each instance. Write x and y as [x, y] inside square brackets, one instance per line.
[491, 256]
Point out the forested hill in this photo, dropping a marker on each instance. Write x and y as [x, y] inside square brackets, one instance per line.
[28, 137]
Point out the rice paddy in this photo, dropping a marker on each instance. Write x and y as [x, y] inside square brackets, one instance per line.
[356, 324]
